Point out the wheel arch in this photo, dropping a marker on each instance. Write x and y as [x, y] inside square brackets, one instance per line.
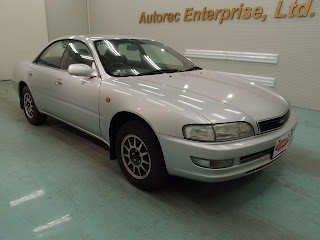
[117, 121]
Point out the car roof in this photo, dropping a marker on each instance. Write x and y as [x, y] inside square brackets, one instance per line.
[87, 38]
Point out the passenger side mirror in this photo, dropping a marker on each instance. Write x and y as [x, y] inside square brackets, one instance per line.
[81, 70]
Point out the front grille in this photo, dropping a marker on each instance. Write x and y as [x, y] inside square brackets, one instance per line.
[273, 124]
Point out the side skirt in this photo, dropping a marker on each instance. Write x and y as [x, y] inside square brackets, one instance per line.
[75, 126]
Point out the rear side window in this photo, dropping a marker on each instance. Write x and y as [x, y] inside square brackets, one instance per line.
[52, 56]
[76, 52]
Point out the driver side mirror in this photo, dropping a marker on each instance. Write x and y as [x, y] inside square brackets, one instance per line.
[81, 70]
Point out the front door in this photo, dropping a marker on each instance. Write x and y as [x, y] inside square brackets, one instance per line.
[77, 97]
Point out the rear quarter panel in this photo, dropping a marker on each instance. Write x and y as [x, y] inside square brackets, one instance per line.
[20, 71]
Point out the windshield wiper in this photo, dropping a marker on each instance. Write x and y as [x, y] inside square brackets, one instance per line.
[162, 71]
[159, 71]
[170, 70]
[191, 69]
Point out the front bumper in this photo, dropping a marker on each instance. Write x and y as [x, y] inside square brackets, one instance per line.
[177, 153]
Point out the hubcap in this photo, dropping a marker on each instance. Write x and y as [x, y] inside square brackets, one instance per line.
[135, 157]
[28, 105]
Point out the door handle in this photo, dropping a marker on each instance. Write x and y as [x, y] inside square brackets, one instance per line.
[30, 74]
[58, 82]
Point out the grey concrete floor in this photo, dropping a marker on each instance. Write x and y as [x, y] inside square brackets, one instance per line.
[58, 183]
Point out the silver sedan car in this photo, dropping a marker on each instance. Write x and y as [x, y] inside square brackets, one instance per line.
[159, 113]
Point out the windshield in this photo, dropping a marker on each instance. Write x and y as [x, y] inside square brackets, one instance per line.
[128, 57]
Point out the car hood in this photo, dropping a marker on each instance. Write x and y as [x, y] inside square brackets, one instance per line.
[216, 96]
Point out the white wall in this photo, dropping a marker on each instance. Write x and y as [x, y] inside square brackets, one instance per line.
[66, 17]
[297, 73]
[23, 31]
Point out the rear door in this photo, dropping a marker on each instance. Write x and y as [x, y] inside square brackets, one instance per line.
[43, 73]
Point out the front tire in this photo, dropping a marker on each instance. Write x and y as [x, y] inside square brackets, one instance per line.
[29, 107]
[140, 156]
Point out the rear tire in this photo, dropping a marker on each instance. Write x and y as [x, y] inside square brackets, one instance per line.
[140, 156]
[29, 107]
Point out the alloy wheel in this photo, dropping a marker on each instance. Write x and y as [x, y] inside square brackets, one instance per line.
[28, 105]
[135, 156]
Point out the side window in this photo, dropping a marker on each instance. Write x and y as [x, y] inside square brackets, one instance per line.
[52, 56]
[76, 52]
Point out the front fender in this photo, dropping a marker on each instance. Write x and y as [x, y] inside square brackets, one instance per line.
[161, 115]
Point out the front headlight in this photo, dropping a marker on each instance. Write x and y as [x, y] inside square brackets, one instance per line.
[218, 132]
[232, 131]
[202, 133]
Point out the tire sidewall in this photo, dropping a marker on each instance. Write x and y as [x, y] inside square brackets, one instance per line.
[158, 173]
[36, 116]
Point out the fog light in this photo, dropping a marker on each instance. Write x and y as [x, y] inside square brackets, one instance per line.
[214, 164]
